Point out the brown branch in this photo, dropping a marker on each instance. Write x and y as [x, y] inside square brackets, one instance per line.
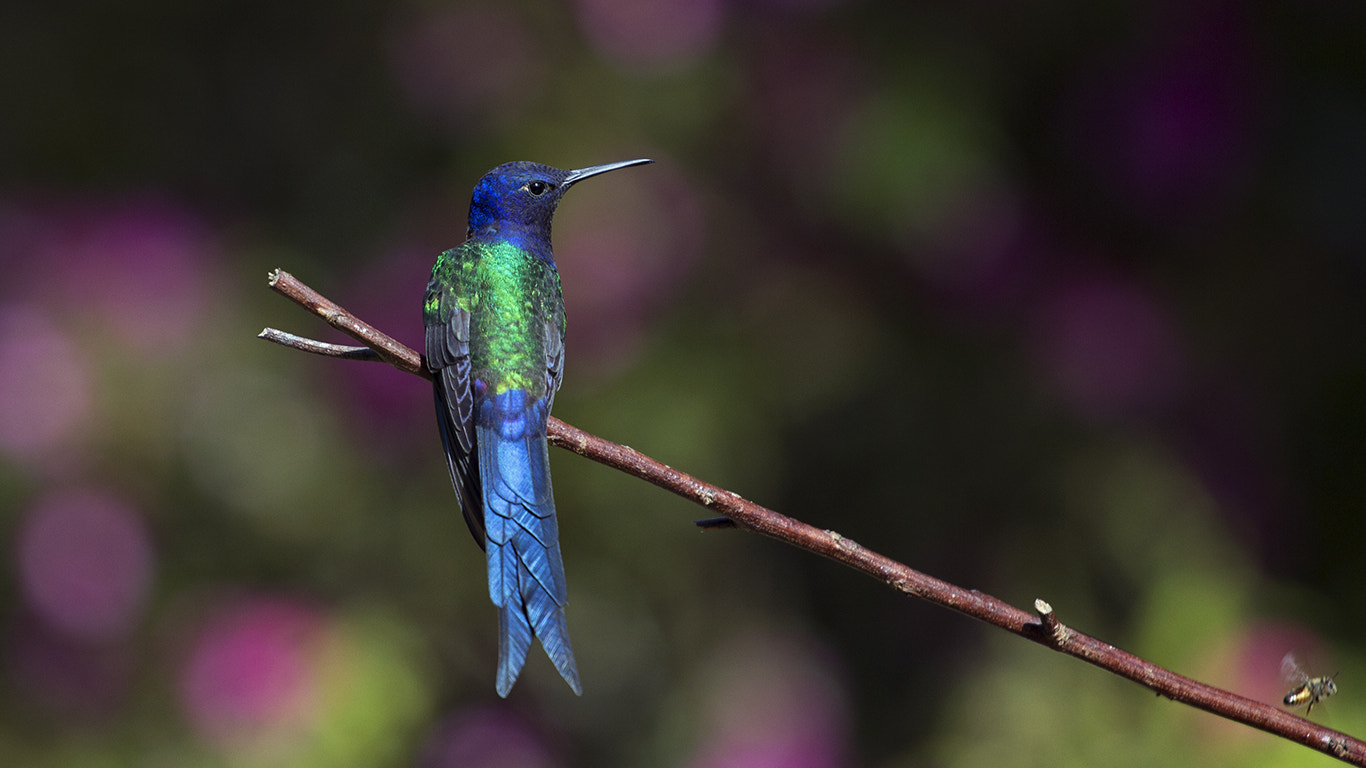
[319, 347]
[384, 345]
[1042, 626]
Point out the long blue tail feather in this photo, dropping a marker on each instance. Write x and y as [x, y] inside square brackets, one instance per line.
[526, 573]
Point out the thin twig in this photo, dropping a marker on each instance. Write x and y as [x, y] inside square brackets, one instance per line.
[388, 348]
[318, 347]
[1042, 627]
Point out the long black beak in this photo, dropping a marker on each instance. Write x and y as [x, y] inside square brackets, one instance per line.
[580, 174]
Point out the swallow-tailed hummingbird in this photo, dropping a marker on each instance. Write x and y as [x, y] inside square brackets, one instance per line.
[495, 346]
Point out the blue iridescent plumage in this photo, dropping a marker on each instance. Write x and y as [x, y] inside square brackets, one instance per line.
[495, 346]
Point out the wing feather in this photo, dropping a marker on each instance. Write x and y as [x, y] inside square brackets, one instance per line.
[448, 358]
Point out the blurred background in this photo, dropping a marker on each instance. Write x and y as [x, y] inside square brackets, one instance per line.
[1048, 299]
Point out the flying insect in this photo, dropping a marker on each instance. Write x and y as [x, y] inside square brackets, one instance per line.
[1307, 690]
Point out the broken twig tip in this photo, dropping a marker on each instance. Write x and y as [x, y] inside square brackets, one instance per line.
[1049, 621]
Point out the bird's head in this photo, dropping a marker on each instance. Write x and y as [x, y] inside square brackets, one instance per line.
[523, 195]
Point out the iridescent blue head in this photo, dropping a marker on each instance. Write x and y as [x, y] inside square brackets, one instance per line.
[517, 200]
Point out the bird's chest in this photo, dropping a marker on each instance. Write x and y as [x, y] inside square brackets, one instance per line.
[512, 298]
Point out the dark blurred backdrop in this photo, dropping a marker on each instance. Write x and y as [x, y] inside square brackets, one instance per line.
[1049, 299]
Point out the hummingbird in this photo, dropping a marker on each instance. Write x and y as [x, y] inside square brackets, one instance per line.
[494, 317]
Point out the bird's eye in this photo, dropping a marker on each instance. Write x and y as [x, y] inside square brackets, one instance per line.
[537, 188]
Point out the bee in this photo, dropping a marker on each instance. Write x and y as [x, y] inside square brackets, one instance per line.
[1307, 690]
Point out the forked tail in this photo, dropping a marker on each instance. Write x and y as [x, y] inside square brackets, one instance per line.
[526, 574]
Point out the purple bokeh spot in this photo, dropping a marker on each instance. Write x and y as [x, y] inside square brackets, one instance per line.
[651, 34]
[249, 669]
[45, 389]
[137, 265]
[1168, 130]
[1108, 349]
[85, 562]
[774, 702]
[492, 737]
[455, 64]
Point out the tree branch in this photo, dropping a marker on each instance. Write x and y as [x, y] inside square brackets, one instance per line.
[1042, 626]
